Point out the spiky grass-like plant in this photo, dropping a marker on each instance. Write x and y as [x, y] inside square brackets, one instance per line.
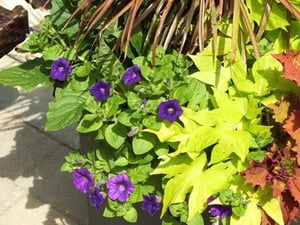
[184, 25]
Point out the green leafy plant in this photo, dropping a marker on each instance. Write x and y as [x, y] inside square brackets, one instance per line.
[213, 132]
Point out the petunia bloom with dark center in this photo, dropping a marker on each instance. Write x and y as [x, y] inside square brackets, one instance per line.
[132, 75]
[169, 110]
[100, 90]
[119, 187]
[221, 211]
[83, 180]
[151, 204]
[96, 198]
[60, 69]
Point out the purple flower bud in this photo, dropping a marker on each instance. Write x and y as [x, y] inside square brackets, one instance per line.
[96, 198]
[151, 204]
[132, 75]
[119, 187]
[169, 82]
[101, 90]
[60, 69]
[143, 103]
[133, 131]
[169, 110]
[83, 180]
[211, 198]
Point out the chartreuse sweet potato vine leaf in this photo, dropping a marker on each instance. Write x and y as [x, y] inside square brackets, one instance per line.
[171, 165]
[230, 111]
[210, 70]
[191, 138]
[252, 216]
[262, 81]
[191, 177]
[205, 128]
[258, 199]
[237, 142]
[277, 17]
[271, 206]
[208, 141]
[265, 80]
[239, 78]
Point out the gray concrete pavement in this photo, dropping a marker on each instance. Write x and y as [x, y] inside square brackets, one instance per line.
[33, 191]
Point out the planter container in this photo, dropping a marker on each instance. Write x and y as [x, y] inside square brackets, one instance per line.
[95, 217]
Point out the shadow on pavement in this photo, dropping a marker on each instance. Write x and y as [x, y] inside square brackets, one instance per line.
[30, 159]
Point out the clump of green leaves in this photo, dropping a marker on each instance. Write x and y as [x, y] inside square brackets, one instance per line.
[235, 200]
[119, 123]
[224, 90]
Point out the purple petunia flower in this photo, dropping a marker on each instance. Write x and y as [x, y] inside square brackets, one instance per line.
[132, 75]
[83, 180]
[151, 204]
[221, 211]
[119, 187]
[211, 198]
[60, 69]
[169, 110]
[101, 90]
[96, 198]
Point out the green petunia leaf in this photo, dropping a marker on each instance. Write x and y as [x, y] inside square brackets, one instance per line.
[65, 109]
[27, 75]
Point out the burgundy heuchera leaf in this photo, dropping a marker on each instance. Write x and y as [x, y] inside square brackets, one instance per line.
[280, 170]
[291, 65]
[280, 110]
[289, 207]
[294, 185]
[256, 175]
[292, 127]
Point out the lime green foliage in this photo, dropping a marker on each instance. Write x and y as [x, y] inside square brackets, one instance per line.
[210, 70]
[235, 200]
[254, 200]
[223, 91]
[218, 140]
[277, 18]
[252, 216]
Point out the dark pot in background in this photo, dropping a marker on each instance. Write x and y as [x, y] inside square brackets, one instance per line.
[95, 217]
